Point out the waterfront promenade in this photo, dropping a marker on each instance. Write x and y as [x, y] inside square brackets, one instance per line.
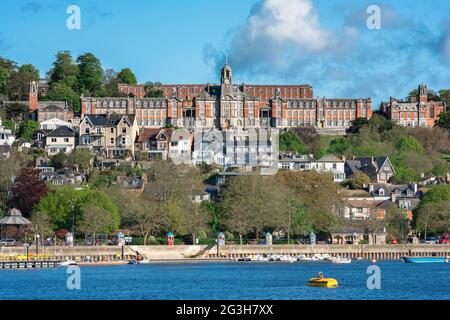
[211, 252]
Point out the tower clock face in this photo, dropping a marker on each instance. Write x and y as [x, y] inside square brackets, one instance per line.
[227, 81]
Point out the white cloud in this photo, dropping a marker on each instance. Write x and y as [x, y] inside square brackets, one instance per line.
[287, 22]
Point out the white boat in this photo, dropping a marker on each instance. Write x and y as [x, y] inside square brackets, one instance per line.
[340, 260]
[67, 263]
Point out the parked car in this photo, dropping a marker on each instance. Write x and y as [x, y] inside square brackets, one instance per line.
[7, 242]
[430, 240]
[444, 241]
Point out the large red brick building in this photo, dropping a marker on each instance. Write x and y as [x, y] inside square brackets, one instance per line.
[416, 112]
[231, 105]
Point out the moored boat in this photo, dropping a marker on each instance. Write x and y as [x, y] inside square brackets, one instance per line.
[425, 259]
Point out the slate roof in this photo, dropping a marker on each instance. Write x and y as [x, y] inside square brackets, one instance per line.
[109, 120]
[366, 165]
[62, 132]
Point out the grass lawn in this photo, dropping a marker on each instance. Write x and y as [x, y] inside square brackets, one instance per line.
[446, 157]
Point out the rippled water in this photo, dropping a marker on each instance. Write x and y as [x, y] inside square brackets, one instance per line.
[229, 281]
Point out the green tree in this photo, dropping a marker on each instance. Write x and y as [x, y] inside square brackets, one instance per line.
[339, 146]
[152, 90]
[90, 78]
[63, 92]
[96, 220]
[444, 120]
[291, 142]
[58, 160]
[359, 180]
[64, 71]
[19, 83]
[409, 143]
[445, 96]
[7, 67]
[41, 224]
[357, 124]
[27, 128]
[127, 76]
[80, 158]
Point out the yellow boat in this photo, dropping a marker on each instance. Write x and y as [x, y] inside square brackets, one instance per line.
[321, 281]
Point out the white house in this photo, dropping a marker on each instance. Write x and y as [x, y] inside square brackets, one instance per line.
[59, 140]
[6, 135]
[180, 146]
[304, 162]
[55, 123]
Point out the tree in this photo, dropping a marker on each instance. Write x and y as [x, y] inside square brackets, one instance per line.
[195, 219]
[27, 128]
[80, 158]
[247, 204]
[291, 142]
[28, 190]
[41, 224]
[15, 110]
[141, 215]
[127, 76]
[339, 146]
[152, 90]
[357, 124]
[65, 204]
[396, 223]
[432, 95]
[445, 96]
[409, 143]
[96, 220]
[64, 71]
[9, 168]
[58, 160]
[19, 84]
[7, 67]
[318, 193]
[292, 215]
[359, 180]
[63, 92]
[433, 211]
[444, 120]
[90, 78]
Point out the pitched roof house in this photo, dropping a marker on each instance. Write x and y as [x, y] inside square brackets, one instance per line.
[379, 169]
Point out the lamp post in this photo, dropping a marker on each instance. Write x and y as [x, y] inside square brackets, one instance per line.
[37, 244]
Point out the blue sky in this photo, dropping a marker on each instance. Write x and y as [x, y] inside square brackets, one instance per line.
[323, 43]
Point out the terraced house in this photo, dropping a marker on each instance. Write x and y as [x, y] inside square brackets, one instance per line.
[111, 136]
[232, 105]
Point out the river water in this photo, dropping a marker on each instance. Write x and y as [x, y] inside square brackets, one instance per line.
[230, 280]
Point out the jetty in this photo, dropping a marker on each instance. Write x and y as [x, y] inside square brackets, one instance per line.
[30, 264]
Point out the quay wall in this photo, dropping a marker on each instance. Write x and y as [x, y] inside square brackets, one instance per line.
[113, 253]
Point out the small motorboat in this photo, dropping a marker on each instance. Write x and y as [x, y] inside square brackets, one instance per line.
[67, 263]
[425, 259]
[134, 261]
[340, 260]
[322, 282]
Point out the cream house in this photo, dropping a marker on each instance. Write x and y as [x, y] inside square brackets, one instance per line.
[111, 136]
[61, 139]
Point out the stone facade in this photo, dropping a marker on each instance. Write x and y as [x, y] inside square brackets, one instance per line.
[230, 105]
[417, 112]
[46, 110]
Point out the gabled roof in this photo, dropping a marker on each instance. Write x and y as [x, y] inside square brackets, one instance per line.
[62, 132]
[330, 158]
[109, 120]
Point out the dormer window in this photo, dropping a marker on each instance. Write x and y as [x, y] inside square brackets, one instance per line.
[381, 192]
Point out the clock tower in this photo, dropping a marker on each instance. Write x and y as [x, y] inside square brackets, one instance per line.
[226, 79]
